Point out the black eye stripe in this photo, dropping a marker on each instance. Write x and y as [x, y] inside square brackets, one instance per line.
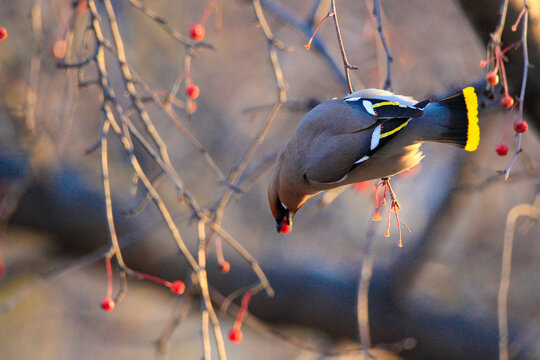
[283, 210]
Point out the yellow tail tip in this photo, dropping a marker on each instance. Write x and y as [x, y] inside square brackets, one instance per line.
[473, 132]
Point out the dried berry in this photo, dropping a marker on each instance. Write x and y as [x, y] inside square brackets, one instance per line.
[224, 266]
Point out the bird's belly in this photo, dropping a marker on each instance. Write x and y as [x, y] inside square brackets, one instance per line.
[384, 164]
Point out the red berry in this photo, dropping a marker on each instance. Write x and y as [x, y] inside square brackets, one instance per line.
[224, 266]
[197, 32]
[507, 101]
[285, 227]
[108, 304]
[3, 34]
[193, 91]
[520, 126]
[502, 149]
[235, 335]
[178, 287]
[492, 78]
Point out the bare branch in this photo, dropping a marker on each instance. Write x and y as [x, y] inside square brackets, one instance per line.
[362, 305]
[533, 212]
[165, 26]
[348, 67]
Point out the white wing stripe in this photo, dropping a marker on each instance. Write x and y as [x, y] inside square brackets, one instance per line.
[361, 160]
[369, 107]
[375, 137]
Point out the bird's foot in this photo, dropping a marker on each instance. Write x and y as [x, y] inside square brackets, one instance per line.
[394, 206]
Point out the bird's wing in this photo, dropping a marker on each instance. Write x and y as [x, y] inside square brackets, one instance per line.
[332, 156]
[343, 145]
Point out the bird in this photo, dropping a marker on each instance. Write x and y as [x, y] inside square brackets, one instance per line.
[369, 134]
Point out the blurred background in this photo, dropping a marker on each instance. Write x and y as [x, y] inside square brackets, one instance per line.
[435, 298]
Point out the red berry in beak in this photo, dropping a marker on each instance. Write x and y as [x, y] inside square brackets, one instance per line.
[285, 227]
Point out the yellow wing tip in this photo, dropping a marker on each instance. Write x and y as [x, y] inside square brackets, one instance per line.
[473, 130]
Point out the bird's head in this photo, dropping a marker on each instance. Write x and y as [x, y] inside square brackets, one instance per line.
[282, 211]
[284, 218]
[282, 214]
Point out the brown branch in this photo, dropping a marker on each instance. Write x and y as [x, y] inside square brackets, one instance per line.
[362, 305]
[239, 169]
[180, 312]
[35, 66]
[206, 302]
[165, 26]
[533, 212]
[348, 67]
[130, 85]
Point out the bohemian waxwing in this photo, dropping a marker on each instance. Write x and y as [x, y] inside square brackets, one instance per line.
[367, 135]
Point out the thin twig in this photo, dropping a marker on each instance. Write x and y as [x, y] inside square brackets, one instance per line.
[348, 67]
[389, 59]
[362, 304]
[179, 314]
[165, 26]
[130, 85]
[306, 29]
[108, 96]
[206, 302]
[533, 212]
[35, 66]
[497, 34]
[526, 65]
[207, 350]
[239, 169]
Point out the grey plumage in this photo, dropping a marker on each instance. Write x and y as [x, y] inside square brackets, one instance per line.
[367, 135]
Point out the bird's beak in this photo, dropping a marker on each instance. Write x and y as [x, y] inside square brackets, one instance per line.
[285, 225]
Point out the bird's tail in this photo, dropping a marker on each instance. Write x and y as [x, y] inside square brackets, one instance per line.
[456, 118]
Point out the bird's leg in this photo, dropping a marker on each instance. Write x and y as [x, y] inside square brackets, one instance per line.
[394, 206]
[394, 203]
[377, 215]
